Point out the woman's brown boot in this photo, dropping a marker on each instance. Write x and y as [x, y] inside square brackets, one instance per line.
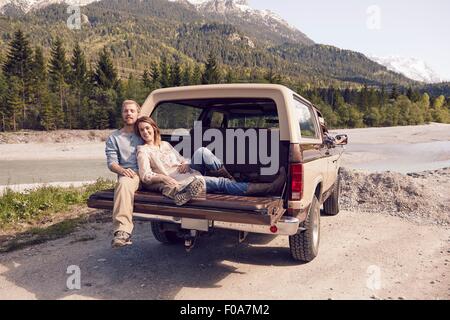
[192, 190]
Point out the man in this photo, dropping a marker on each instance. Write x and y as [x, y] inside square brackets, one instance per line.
[121, 158]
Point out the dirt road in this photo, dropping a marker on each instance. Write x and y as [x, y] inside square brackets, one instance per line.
[358, 253]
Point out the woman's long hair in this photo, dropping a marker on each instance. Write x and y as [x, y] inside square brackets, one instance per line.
[155, 127]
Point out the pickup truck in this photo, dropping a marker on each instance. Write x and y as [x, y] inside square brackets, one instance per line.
[257, 129]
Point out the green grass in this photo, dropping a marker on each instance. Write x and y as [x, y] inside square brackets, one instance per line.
[16, 207]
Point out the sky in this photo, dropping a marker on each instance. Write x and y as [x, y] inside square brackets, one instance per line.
[418, 29]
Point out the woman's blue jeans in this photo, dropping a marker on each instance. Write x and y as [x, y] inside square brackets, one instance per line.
[203, 161]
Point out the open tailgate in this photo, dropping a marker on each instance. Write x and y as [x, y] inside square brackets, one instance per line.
[216, 207]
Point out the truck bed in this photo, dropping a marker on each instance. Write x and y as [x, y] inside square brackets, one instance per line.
[216, 207]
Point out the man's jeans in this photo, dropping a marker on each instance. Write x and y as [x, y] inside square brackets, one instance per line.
[203, 161]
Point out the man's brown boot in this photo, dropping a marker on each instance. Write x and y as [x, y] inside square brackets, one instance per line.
[221, 173]
[274, 188]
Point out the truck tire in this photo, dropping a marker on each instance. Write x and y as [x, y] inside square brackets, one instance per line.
[166, 237]
[304, 246]
[331, 205]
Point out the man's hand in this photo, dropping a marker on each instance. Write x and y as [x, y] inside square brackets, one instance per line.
[116, 168]
[184, 168]
[128, 173]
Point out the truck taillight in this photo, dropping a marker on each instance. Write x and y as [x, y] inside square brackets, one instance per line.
[296, 173]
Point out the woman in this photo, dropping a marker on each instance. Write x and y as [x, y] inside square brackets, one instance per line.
[160, 163]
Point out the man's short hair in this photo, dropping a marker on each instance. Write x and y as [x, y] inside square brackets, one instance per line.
[126, 102]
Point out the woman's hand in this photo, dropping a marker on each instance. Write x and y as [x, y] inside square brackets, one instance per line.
[169, 181]
[184, 168]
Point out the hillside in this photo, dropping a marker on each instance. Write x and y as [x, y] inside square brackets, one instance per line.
[139, 32]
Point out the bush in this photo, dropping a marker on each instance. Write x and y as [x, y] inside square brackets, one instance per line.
[28, 206]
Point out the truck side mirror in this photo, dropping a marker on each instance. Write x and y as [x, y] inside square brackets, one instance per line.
[341, 140]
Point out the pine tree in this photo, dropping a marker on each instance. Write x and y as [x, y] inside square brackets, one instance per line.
[187, 76]
[102, 108]
[39, 68]
[409, 93]
[197, 75]
[175, 76]
[134, 89]
[78, 68]
[14, 103]
[58, 76]
[383, 95]
[79, 85]
[212, 72]
[3, 91]
[146, 79]
[18, 64]
[40, 94]
[103, 102]
[105, 72]
[364, 99]
[165, 73]
[155, 75]
[47, 115]
[394, 92]
[373, 100]
[347, 95]
[338, 100]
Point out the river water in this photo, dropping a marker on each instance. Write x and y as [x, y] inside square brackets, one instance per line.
[397, 157]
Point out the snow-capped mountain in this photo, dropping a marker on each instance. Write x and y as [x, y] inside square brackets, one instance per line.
[28, 5]
[412, 68]
[240, 9]
[264, 23]
[234, 6]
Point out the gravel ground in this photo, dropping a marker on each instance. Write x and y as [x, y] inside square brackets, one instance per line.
[423, 197]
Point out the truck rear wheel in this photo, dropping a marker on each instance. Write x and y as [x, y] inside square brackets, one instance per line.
[162, 235]
[304, 246]
[331, 205]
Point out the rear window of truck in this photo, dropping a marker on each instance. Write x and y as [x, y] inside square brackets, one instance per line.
[217, 113]
[173, 115]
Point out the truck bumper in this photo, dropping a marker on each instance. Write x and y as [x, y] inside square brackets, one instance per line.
[286, 226]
